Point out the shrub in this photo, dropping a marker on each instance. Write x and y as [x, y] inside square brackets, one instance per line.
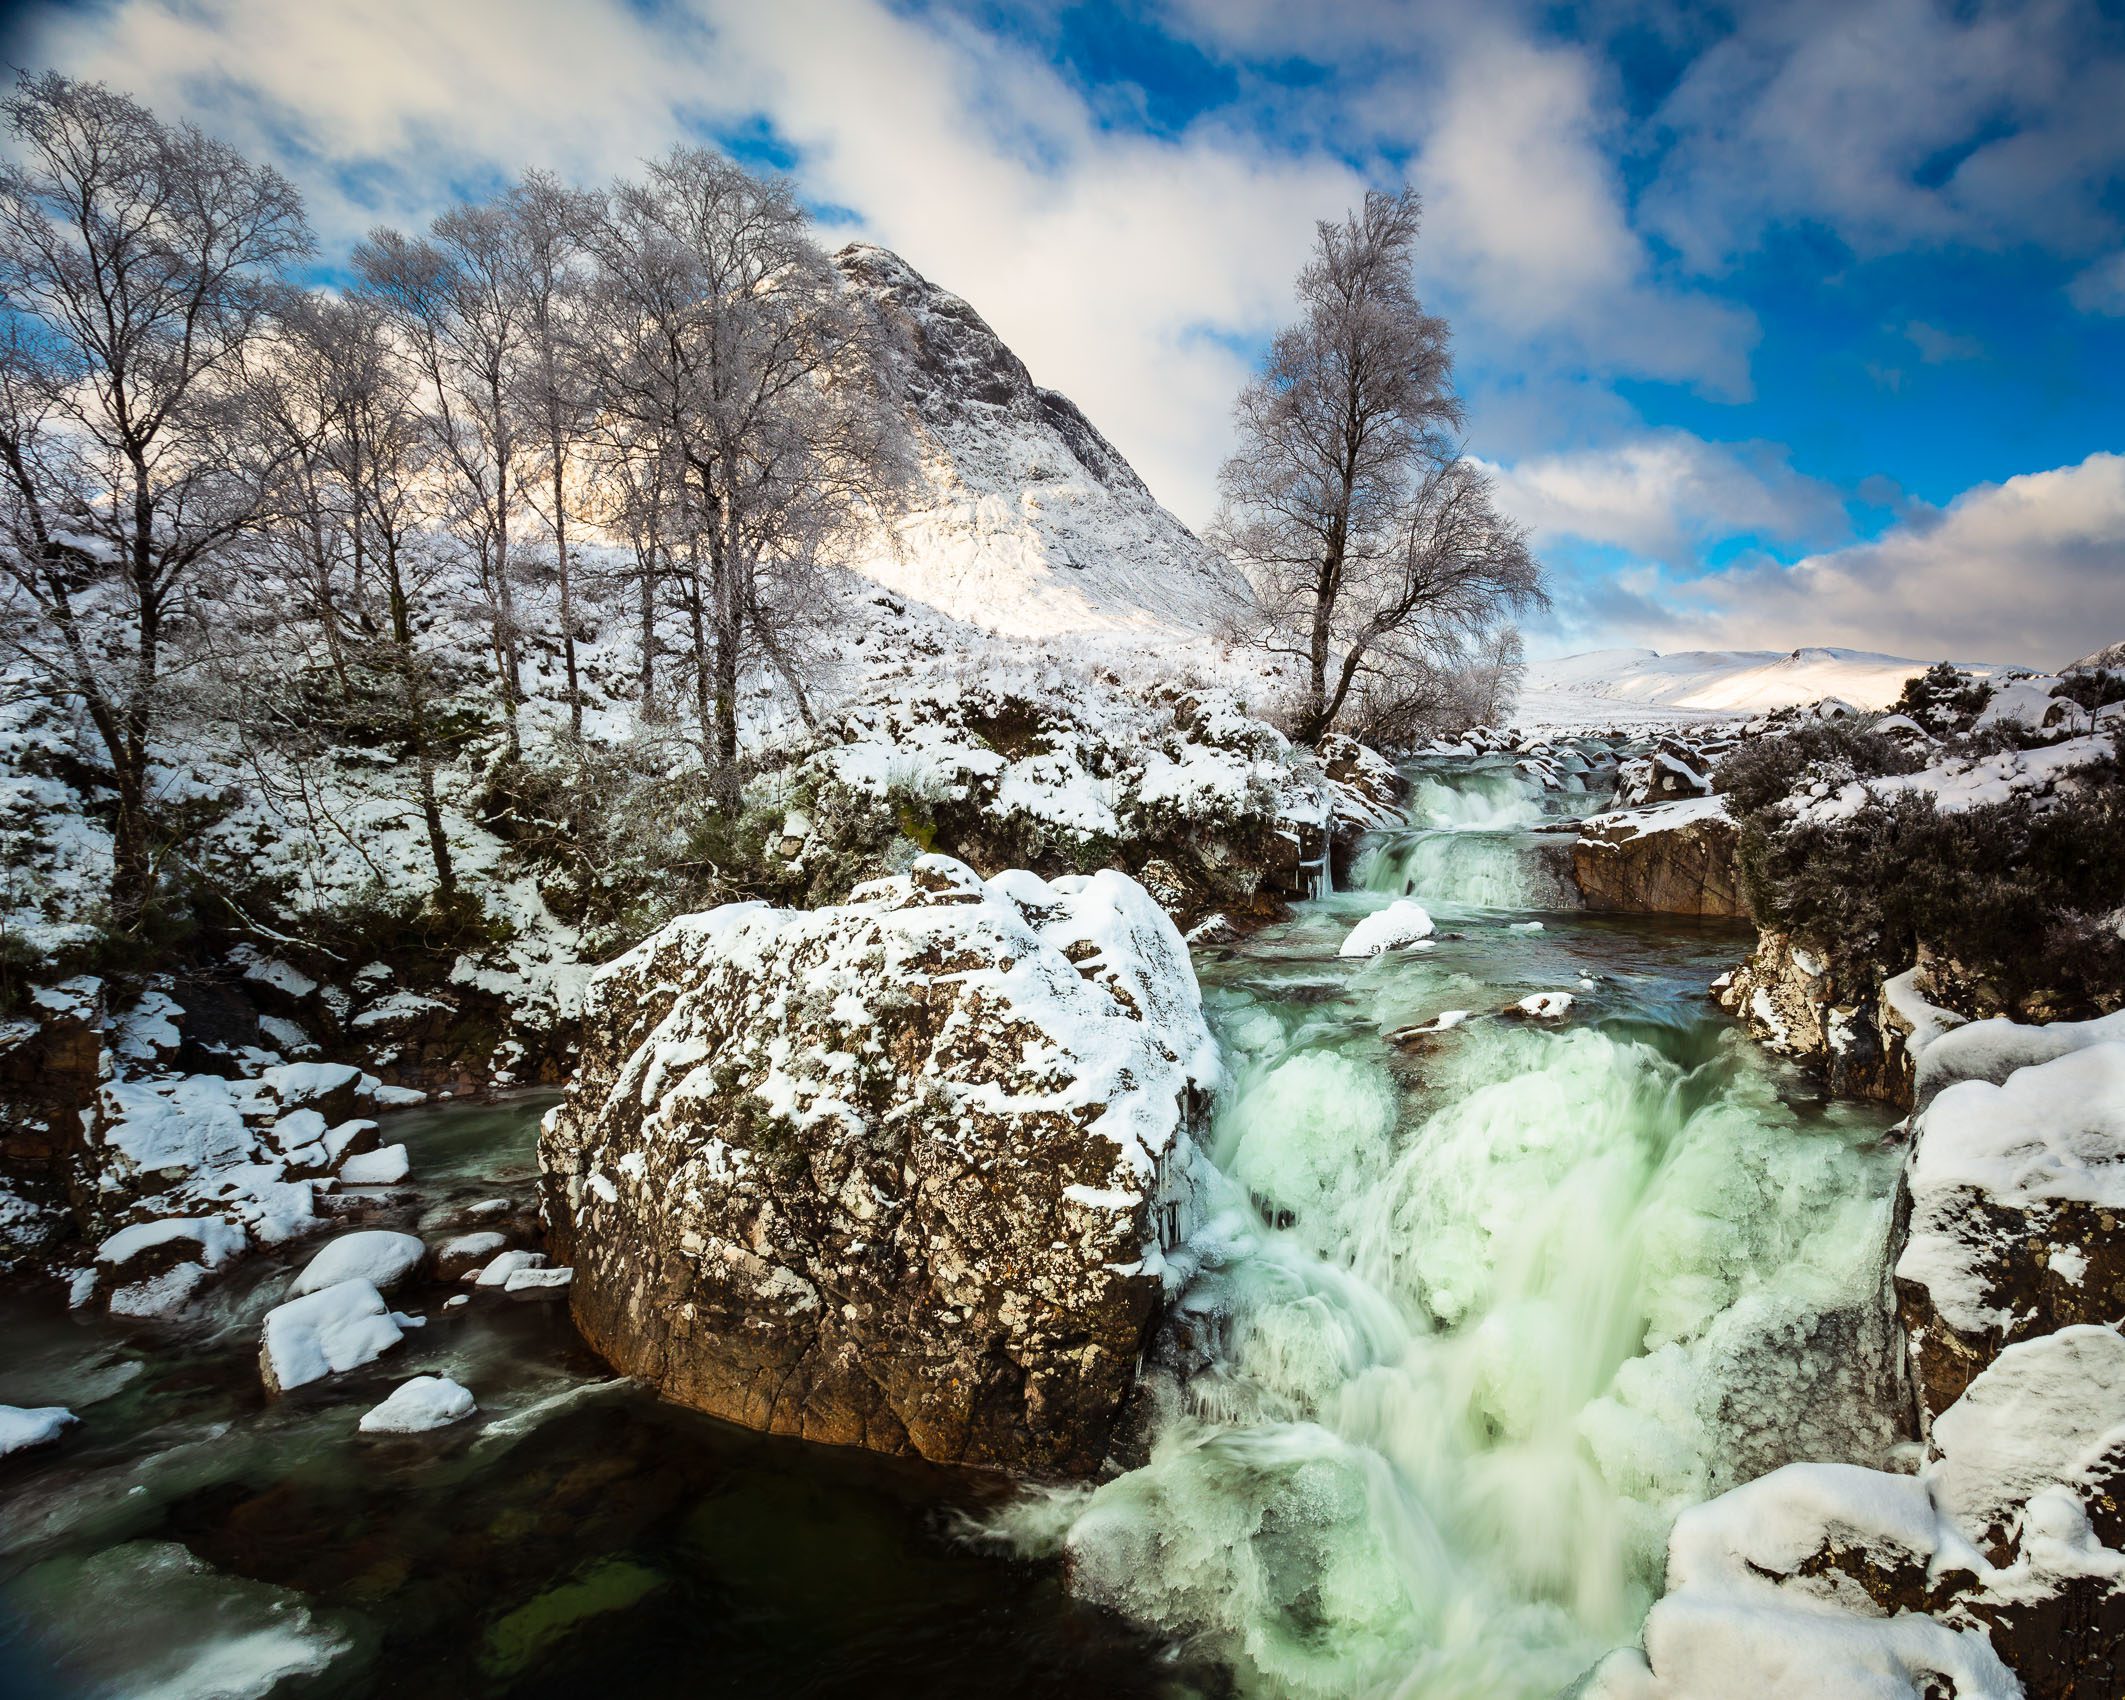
[2091, 691]
[1764, 772]
[1943, 699]
[2020, 894]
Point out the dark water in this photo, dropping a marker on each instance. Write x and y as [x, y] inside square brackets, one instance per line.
[575, 1535]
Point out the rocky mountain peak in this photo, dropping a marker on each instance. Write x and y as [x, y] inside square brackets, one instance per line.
[1029, 522]
[955, 369]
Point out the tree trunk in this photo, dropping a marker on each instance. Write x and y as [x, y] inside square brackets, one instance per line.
[568, 617]
[730, 614]
[416, 699]
[505, 599]
[132, 867]
[648, 665]
[694, 603]
[1315, 713]
[126, 729]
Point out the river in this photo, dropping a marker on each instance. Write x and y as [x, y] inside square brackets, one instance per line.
[1478, 1313]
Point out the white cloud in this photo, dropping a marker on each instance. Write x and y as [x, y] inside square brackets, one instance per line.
[2101, 288]
[1663, 494]
[2031, 570]
[1529, 221]
[1102, 258]
[1891, 122]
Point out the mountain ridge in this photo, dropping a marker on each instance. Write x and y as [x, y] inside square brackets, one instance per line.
[1645, 683]
[1024, 520]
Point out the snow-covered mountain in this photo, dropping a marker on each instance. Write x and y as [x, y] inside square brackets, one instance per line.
[1622, 685]
[2110, 655]
[1026, 521]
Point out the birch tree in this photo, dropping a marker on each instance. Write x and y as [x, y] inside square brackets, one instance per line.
[1371, 544]
[458, 302]
[136, 265]
[359, 466]
[552, 224]
[727, 338]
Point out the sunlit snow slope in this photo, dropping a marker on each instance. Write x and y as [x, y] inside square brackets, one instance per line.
[1642, 684]
[1026, 521]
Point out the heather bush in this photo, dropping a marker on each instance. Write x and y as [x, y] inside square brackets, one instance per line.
[2022, 894]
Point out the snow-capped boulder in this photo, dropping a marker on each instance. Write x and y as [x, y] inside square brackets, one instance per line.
[426, 1402]
[1997, 1572]
[1672, 771]
[383, 1259]
[901, 1173]
[150, 1268]
[465, 1253]
[25, 1426]
[385, 1166]
[326, 1333]
[2017, 1191]
[1673, 858]
[500, 1271]
[1403, 924]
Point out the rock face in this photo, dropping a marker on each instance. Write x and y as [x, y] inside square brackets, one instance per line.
[1024, 519]
[1671, 859]
[52, 1060]
[1998, 1570]
[2017, 1195]
[898, 1174]
[1834, 1020]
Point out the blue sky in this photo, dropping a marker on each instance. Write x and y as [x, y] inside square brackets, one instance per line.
[1785, 323]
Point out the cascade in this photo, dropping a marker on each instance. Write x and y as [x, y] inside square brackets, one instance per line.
[1477, 1338]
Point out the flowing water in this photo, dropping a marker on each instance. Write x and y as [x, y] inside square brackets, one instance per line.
[1484, 1309]
[1476, 1314]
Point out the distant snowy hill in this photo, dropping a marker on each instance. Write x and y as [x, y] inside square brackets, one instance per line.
[1027, 521]
[1642, 685]
[2110, 655]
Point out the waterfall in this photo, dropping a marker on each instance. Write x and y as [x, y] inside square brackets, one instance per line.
[1470, 842]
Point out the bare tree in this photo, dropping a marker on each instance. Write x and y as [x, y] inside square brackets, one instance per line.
[633, 499]
[552, 227]
[351, 523]
[1370, 542]
[306, 531]
[726, 337]
[135, 265]
[459, 304]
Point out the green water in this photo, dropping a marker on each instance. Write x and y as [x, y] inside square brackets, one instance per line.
[1486, 1314]
[1472, 1320]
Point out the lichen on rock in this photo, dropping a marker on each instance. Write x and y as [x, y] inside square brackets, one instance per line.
[900, 1173]
[1675, 858]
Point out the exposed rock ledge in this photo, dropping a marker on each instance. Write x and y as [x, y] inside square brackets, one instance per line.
[898, 1173]
[1997, 1572]
[1675, 858]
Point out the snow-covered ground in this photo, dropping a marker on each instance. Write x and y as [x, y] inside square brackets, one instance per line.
[1626, 687]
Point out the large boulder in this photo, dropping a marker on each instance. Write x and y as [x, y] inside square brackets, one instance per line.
[903, 1173]
[2017, 1196]
[1670, 859]
[1999, 1568]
